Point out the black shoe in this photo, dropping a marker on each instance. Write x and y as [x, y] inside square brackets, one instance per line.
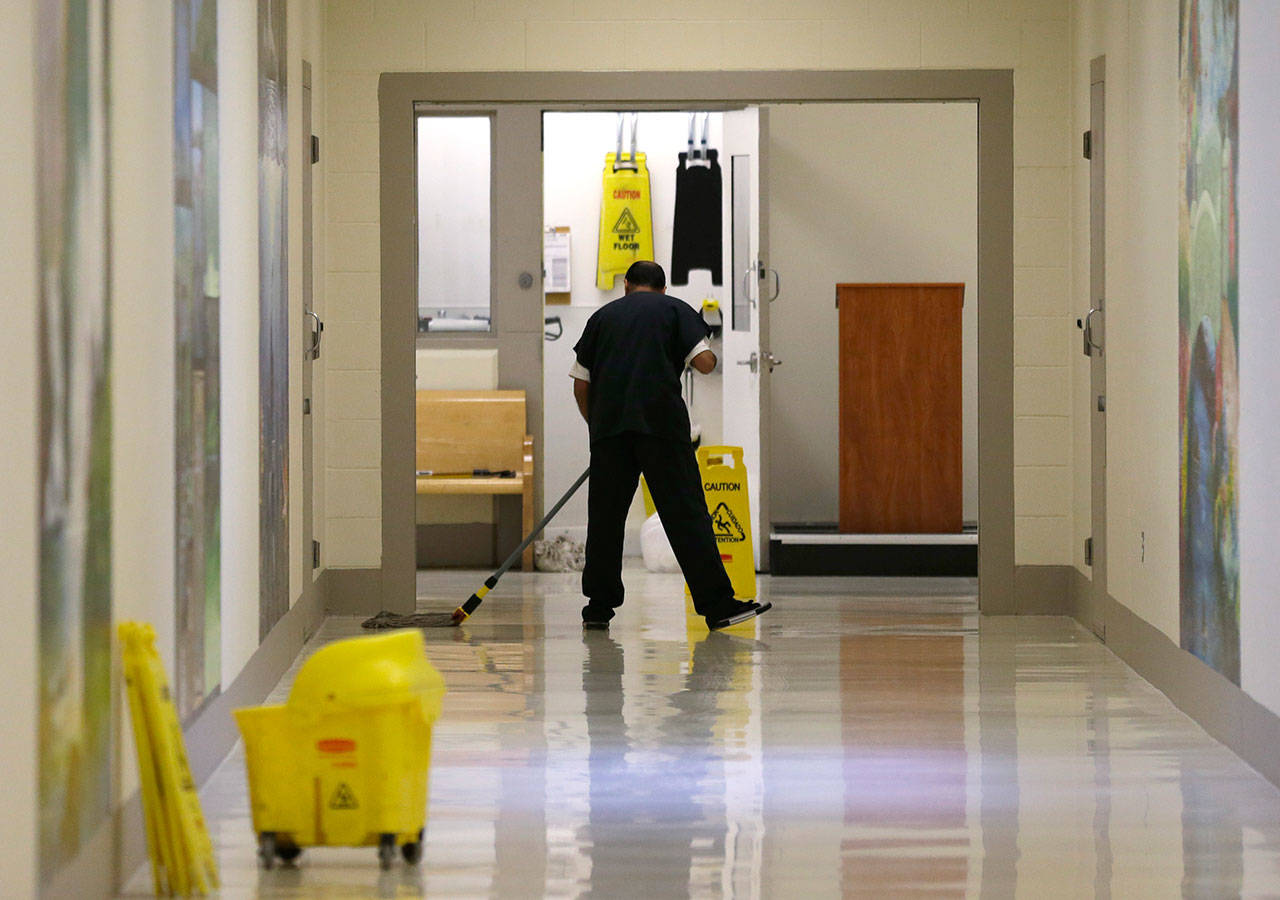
[595, 618]
[736, 613]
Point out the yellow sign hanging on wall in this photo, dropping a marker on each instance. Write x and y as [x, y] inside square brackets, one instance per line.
[626, 219]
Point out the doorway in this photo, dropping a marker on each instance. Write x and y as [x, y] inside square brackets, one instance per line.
[723, 405]
[873, 195]
[517, 101]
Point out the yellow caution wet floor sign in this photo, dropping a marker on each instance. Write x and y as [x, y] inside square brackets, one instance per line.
[626, 220]
[724, 484]
[182, 860]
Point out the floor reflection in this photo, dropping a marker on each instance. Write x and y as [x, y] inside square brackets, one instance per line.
[905, 760]
[865, 738]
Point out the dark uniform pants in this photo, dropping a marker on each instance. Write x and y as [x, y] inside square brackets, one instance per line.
[671, 471]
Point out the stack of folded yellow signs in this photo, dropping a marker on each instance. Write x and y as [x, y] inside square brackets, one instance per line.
[182, 859]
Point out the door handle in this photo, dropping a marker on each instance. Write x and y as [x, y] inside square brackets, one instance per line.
[770, 360]
[777, 281]
[1086, 325]
[313, 352]
[753, 361]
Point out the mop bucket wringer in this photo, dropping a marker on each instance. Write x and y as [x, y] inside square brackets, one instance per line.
[344, 761]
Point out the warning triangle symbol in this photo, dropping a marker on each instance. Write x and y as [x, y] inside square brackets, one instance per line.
[343, 798]
[726, 525]
[626, 223]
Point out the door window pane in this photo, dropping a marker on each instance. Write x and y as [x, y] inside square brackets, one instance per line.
[453, 223]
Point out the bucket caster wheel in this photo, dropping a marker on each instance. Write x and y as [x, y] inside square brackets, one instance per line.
[412, 851]
[267, 849]
[288, 851]
[386, 850]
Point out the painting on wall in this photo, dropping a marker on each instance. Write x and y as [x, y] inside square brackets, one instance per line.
[1207, 336]
[273, 345]
[74, 691]
[198, 656]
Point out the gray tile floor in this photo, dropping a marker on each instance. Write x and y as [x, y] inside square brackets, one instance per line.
[865, 738]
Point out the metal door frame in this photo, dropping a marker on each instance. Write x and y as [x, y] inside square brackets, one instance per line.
[399, 94]
[1095, 340]
[310, 565]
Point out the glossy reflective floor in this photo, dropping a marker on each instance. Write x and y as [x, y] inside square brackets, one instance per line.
[865, 738]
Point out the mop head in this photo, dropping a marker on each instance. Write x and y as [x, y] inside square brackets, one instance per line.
[387, 619]
[563, 554]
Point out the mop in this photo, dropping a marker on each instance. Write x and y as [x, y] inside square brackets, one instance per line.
[387, 619]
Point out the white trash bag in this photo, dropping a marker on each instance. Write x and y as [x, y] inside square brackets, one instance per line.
[655, 549]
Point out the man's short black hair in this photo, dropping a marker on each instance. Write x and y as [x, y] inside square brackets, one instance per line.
[648, 274]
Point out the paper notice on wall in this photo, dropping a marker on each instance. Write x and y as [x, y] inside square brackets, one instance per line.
[555, 254]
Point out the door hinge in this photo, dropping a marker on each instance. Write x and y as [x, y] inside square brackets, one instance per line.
[315, 149]
[315, 554]
[1088, 551]
[1088, 144]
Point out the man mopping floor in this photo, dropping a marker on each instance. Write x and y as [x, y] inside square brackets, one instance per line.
[626, 381]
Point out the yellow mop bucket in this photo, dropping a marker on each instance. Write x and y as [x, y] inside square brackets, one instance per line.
[344, 762]
[724, 484]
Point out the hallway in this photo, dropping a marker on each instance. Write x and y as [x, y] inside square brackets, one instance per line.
[867, 737]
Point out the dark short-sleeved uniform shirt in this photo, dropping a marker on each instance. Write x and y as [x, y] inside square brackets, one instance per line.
[634, 350]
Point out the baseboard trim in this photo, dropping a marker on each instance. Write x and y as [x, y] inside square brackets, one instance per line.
[355, 592]
[1221, 708]
[209, 737]
[1041, 590]
[1217, 705]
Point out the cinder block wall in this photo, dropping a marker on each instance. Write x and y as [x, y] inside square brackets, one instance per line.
[364, 38]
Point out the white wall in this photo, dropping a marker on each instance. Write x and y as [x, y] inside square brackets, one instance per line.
[1142, 121]
[18, 421]
[143, 333]
[141, 218]
[865, 192]
[1259, 193]
[238, 235]
[1144, 127]
[1028, 36]
[573, 152]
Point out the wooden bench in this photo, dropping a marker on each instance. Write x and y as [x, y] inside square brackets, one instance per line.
[460, 432]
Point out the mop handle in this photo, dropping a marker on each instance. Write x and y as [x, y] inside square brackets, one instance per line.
[466, 609]
[537, 529]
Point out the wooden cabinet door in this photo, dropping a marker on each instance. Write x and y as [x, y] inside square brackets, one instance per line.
[900, 416]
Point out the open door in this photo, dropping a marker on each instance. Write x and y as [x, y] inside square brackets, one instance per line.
[747, 362]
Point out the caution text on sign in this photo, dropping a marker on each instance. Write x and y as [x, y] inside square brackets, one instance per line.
[724, 485]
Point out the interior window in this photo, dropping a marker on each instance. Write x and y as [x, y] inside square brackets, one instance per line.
[453, 223]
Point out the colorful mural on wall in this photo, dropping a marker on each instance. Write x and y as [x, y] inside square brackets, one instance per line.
[198, 669]
[74, 727]
[1207, 347]
[273, 346]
